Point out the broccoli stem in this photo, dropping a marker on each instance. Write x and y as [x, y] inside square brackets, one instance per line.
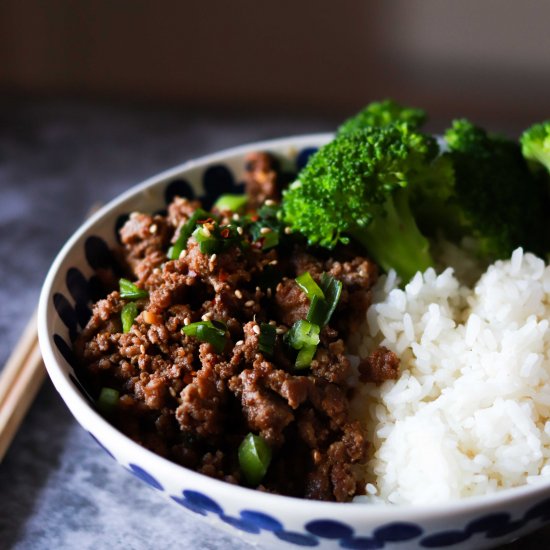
[394, 240]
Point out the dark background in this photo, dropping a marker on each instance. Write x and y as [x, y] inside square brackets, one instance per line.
[96, 96]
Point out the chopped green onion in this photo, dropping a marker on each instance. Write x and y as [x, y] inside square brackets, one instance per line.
[234, 203]
[270, 240]
[321, 310]
[305, 357]
[303, 333]
[185, 232]
[332, 288]
[130, 291]
[127, 315]
[303, 336]
[107, 400]
[208, 243]
[254, 458]
[309, 286]
[212, 332]
[266, 341]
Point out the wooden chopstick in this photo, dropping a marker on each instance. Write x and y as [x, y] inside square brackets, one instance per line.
[20, 380]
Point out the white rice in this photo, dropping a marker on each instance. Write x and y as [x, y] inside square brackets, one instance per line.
[470, 413]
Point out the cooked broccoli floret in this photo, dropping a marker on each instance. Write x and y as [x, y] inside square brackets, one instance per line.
[383, 113]
[535, 146]
[496, 200]
[359, 186]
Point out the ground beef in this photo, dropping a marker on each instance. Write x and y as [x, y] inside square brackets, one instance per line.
[382, 364]
[193, 402]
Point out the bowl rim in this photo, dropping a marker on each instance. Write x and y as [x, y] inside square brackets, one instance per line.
[76, 402]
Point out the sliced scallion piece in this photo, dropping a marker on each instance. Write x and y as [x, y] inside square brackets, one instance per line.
[321, 309]
[305, 357]
[185, 232]
[304, 337]
[309, 286]
[212, 332]
[234, 203]
[107, 400]
[254, 458]
[127, 316]
[270, 240]
[303, 333]
[130, 291]
[267, 338]
[332, 289]
[208, 243]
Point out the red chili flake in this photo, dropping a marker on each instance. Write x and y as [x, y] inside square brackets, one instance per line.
[223, 275]
[255, 217]
[208, 220]
[225, 233]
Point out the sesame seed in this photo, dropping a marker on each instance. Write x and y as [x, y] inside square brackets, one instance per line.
[236, 217]
[206, 231]
[238, 294]
[256, 329]
[213, 258]
[258, 289]
[206, 317]
[265, 230]
[249, 303]
[288, 231]
[270, 202]
[240, 230]
[187, 321]
[153, 228]
[172, 391]
[239, 343]
[273, 262]
[273, 323]
[142, 348]
[280, 330]
[183, 253]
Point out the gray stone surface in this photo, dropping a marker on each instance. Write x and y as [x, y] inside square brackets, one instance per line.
[58, 490]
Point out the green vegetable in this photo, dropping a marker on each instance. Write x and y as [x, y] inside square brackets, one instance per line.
[185, 232]
[267, 339]
[309, 286]
[359, 186]
[208, 242]
[495, 199]
[383, 113]
[127, 315]
[233, 203]
[107, 400]
[304, 337]
[535, 146]
[321, 309]
[212, 332]
[130, 291]
[269, 217]
[254, 458]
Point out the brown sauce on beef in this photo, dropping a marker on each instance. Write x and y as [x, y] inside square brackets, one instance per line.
[194, 406]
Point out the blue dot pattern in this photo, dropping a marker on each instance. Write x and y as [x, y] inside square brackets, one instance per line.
[329, 529]
[140, 473]
[216, 180]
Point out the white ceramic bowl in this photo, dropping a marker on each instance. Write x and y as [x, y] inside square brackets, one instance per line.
[260, 518]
